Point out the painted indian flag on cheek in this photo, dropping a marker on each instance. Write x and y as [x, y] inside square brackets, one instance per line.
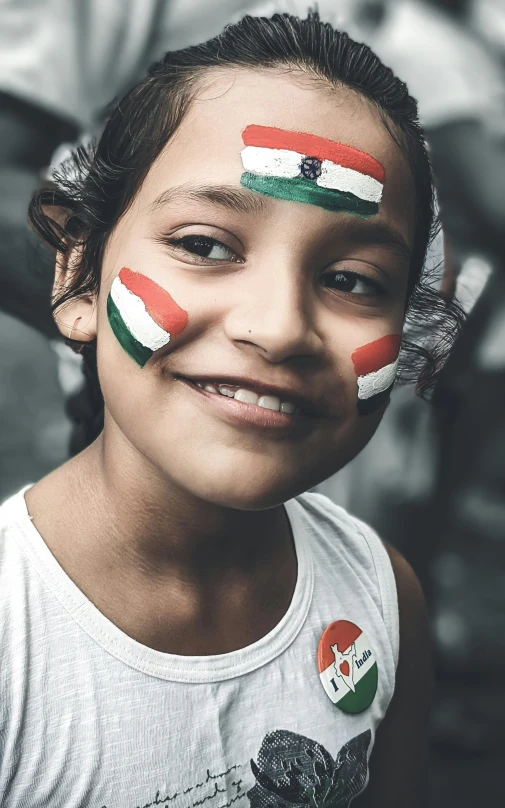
[302, 167]
[375, 365]
[142, 315]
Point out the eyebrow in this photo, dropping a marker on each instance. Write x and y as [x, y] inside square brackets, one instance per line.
[368, 232]
[227, 196]
[358, 229]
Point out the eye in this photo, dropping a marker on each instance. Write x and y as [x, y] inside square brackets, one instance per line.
[352, 283]
[205, 247]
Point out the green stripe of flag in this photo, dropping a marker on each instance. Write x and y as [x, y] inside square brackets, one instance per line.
[366, 689]
[138, 352]
[298, 189]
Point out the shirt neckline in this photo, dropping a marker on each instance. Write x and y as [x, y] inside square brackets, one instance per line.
[173, 667]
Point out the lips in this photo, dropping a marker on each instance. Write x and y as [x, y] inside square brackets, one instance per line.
[259, 394]
[247, 396]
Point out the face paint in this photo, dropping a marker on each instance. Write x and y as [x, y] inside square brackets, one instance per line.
[375, 366]
[142, 315]
[306, 168]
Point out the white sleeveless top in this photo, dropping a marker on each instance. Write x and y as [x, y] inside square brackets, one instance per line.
[90, 718]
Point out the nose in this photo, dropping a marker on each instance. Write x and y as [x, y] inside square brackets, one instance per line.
[274, 315]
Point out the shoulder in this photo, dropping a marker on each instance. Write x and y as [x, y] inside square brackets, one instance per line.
[337, 532]
[399, 760]
[414, 657]
[414, 664]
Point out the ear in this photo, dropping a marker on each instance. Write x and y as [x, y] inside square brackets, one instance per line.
[76, 318]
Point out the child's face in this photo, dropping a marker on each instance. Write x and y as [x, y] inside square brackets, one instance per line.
[265, 296]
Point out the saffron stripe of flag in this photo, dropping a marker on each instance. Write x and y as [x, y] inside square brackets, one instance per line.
[376, 365]
[159, 304]
[313, 146]
[285, 163]
[375, 355]
[344, 633]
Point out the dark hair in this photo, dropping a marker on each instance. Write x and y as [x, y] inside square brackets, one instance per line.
[97, 186]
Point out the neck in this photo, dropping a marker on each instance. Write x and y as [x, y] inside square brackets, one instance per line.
[172, 571]
[129, 511]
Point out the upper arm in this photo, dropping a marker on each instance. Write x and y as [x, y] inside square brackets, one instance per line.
[398, 763]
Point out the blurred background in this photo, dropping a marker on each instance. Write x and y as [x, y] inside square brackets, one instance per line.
[432, 480]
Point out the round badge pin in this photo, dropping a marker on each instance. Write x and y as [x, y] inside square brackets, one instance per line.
[347, 666]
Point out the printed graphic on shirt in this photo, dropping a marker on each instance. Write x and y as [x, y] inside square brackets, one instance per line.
[301, 167]
[294, 770]
[214, 789]
[291, 770]
[347, 666]
[375, 365]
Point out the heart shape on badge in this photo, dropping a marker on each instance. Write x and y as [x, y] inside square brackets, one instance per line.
[344, 667]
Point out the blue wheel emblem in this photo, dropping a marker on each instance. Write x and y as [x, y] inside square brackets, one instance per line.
[310, 168]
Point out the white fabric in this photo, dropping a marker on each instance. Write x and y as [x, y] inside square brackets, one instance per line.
[90, 717]
[74, 56]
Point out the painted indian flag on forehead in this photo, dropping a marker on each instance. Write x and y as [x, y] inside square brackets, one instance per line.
[376, 365]
[301, 167]
[142, 315]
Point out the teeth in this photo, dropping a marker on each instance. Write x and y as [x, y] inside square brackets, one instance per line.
[246, 396]
[286, 406]
[269, 403]
[249, 397]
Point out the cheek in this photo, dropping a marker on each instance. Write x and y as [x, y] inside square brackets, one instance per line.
[375, 366]
[142, 315]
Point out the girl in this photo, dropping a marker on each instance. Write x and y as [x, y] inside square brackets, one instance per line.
[181, 625]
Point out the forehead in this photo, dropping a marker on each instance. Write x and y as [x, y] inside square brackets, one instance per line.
[206, 147]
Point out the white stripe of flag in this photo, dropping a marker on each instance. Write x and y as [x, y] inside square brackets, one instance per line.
[286, 163]
[136, 318]
[376, 382]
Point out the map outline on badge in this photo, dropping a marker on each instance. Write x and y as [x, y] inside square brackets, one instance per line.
[342, 660]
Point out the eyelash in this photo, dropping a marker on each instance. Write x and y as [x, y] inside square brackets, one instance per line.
[207, 242]
[356, 277]
[182, 244]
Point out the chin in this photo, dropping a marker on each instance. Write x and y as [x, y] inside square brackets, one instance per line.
[246, 491]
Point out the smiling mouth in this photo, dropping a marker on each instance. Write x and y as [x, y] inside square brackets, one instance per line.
[257, 396]
[248, 396]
